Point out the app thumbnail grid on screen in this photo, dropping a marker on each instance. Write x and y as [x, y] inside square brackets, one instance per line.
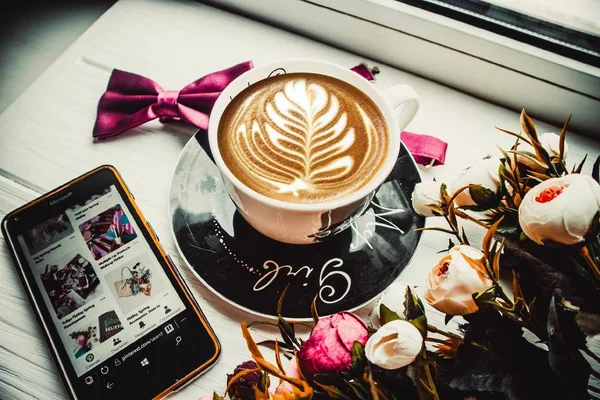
[70, 285]
[134, 283]
[107, 231]
[84, 340]
[47, 233]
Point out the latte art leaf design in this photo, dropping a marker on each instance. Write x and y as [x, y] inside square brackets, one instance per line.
[306, 127]
[303, 139]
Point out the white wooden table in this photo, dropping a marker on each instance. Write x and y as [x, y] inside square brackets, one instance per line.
[46, 139]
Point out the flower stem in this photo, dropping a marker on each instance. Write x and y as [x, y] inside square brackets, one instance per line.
[466, 216]
[434, 329]
[585, 253]
[482, 347]
[430, 387]
[454, 229]
[434, 340]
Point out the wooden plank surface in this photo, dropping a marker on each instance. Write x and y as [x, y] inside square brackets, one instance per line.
[45, 140]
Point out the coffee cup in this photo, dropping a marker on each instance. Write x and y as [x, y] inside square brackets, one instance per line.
[313, 221]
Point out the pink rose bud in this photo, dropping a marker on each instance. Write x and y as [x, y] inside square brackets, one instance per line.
[454, 280]
[329, 348]
[291, 370]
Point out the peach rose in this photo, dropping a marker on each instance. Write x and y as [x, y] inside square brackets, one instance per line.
[454, 280]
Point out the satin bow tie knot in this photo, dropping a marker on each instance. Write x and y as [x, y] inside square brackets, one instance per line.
[166, 107]
[131, 100]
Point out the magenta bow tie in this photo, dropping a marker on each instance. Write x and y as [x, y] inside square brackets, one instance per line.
[131, 100]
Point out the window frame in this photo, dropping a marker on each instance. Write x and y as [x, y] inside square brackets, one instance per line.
[482, 63]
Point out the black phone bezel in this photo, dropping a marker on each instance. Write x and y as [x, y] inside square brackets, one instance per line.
[75, 192]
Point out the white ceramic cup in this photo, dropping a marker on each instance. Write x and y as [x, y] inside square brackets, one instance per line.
[299, 223]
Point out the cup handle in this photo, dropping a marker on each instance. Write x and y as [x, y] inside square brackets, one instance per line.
[405, 102]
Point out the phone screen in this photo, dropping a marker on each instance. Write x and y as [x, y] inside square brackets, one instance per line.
[117, 315]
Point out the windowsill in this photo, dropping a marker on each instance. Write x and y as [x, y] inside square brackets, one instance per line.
[175, 43]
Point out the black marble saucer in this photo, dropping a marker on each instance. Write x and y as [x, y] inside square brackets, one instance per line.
[250, 271]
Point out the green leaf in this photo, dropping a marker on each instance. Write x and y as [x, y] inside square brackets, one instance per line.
[358, 359]
[332, 391]
[570, 367]
[313, 310]
[386, 315]
[444, 192]
[264, 383]
[484, 197]
[523, 237]
[415, 312]
[464, 238]
[287, 332]
[510, 223]
[450, 246]
[487, 296]
[216, 396]
[528, 127]
[271, 345]
[419, 375]
[256, 323]
[359, 391]
[577, 169]
[561, 142]
[280, 300]
[596, 170]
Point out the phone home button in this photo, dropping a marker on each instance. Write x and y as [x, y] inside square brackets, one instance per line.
[104, 370]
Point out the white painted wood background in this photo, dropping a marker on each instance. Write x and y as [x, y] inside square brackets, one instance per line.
[46, 139]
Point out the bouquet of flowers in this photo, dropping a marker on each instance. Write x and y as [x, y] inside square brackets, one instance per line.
[525, 301]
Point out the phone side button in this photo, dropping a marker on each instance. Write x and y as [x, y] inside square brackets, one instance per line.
[153, 231]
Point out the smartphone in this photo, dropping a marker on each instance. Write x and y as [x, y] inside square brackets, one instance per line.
[118, 318]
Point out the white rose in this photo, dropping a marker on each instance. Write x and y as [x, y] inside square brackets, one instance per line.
[560, 209]
[424, 196]
[550, 142]
[394, 345]
[392, 299]
[484, 173]
[455, 278]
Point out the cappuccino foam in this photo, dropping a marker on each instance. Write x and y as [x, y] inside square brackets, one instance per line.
[303, 138]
